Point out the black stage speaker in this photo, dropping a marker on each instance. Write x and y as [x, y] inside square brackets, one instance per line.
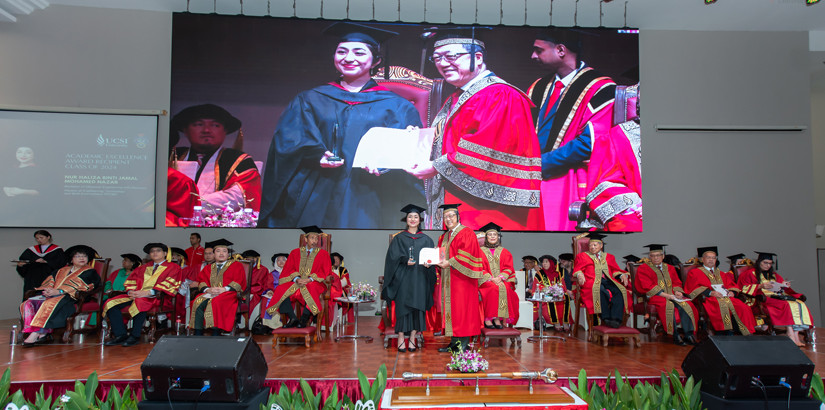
[726, 365]
[233, 368]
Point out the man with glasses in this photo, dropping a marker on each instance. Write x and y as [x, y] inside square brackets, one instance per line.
[485, 152]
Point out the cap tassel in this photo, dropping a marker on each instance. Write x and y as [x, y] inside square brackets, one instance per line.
[169, 256]
[258, 265]
[238, 144]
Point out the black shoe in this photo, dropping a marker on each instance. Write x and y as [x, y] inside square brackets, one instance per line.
[301, 325]
[678, 340]
[498, 325]
[449, 348]
[291, 323]
[44, 340]
[131, 341]
[402, 349]
[117, 341]
[691, 340]
[613, 323]
[486, 326]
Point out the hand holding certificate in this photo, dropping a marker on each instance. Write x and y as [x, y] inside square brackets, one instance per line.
[429, 256]
[721, 289]
[392, 148]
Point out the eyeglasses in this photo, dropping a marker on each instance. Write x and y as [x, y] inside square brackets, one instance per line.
[435, 58]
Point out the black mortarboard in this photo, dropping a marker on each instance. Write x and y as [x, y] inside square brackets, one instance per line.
[132, 257]
[149, 246]
[196, 112]
[84, 249]
[179, 251]
[449, 207]
[219, 242]
[734, 258]
[461, 35]
[275, 256]
[490, 227]
[349, 31]
[334, 254]
[701, 251]
[764, 255]
[631, 258]
[596, 236]
[566, 256]
[250, 254]
[548, 257]
[530, 257]
[312, 229]
[568, 37]
[410, 208]
[656, 247]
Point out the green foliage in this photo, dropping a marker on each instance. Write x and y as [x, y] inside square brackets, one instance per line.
[817, 389]
[669, 394]
[376, 389]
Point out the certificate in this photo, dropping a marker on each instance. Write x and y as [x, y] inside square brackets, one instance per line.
[720, 288]
[430, 256]
[392, 148]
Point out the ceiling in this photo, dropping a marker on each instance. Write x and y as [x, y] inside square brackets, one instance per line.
[785, 15]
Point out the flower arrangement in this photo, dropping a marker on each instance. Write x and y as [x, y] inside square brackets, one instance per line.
[364, 291]
[225, 217]
[555, 291]
[469, 361]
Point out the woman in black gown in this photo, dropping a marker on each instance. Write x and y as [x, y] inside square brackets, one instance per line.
[406, 283]
[38, 261]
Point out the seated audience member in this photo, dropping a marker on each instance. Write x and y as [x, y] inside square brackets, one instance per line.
[785, 306]
[146, 282]
[565, 268]
[262, 282]
[56, 300]
[346, 284]
[531, 268]
[558, 314]
[218, 287]
[660, 283]
[604, 286]
[727, 314]
[302, 280]
[116, 282]
[497, 284]
[269, 320]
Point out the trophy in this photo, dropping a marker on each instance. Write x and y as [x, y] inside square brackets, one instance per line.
[334, 157]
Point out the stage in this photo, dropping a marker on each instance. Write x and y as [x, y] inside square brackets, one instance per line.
[328, 361]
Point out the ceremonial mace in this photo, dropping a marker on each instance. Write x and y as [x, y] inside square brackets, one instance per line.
[547, 375]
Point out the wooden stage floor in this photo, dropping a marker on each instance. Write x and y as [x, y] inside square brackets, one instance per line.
[328, 359]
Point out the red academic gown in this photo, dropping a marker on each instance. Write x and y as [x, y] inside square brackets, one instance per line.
[299, 264]
[262, 282]
[180, 203]
[594, 270]
[459, 282]
[782, 312]
[720, 310]
[556, 313]
[165, 279]
[590, 118]
[487, 154]
[650, 281]
[221, 309]
[194, 255]
[498, 301]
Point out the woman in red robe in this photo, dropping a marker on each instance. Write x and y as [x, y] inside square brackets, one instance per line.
[498, 281]
[559, 313]
[785, 306]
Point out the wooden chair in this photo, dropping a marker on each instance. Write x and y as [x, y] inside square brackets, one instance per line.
[244, 300]
[640, 307]
[604, 333]
[88, 304]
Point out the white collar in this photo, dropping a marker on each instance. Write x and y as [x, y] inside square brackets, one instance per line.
[569, 77]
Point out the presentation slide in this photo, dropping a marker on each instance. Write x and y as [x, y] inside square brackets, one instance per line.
[77, 170]
[269, 116]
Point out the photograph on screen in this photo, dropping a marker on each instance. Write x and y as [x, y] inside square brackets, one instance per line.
[77, 170]
[283, 123]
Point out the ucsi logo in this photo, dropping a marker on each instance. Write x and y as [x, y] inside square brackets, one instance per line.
[112, 142]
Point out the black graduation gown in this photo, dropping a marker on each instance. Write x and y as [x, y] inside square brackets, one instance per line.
[34, 273]
[298, 192]
[410, 287]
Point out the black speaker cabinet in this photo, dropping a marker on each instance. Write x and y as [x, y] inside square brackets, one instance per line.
[233, 368]
[726, 365]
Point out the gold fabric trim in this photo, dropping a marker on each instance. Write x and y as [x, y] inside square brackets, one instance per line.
[500, 155]
[495, 168]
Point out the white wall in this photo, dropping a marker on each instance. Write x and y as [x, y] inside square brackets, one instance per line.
[700, 189]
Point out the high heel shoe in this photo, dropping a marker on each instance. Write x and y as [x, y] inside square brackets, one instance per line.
[413, 345]
[402, 347]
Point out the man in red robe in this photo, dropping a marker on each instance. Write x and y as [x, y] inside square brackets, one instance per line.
[498, 281]
[485, 153]
[603, 285]
[574, 113]
[302, 280]
[727, 314]
[143, 286]
[460, 271]
[194, 253]
[218, 286]
[660, 283]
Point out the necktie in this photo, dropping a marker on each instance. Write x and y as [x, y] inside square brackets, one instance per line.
[155, 268]
[558, 86]
[220, 266]
[200, 167]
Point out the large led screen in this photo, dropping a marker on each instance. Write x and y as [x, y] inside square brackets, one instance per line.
[283, 123]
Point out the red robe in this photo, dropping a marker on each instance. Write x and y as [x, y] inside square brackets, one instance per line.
[590, 117]
[650, 281]
[180, 201]
[459, 282]
[262, 282]
[498, 301]
[487, 157]
[720, 310]
[221, 309]
[194, 255]
[782, 312]
[595, 270]
[165, 279]
[315, 266]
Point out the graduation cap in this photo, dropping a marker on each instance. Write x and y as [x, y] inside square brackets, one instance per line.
[84, 249]
[132, 257]
[566, 256]
[529, 257]
[548, 257]
[734, 258]
[179, 251]
[410, 208]
[701, 251]
[348, 31]
[334, 254]
[149, 246]
[596, 236]
[219, 243]
[449, 207]
[631, 258]
[312, 229]
[275, 256]
[767, 256]
[567, 37]
[656, 247]
[461, 35]
[490, 227]
[250, 254]
[196, 112]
